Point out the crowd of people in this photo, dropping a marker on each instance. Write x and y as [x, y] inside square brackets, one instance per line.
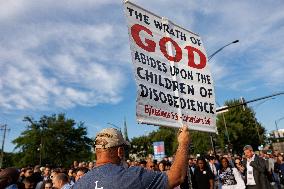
[183, 171]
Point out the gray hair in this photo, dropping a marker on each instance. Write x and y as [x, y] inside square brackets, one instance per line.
[63, 177]
[248, 147]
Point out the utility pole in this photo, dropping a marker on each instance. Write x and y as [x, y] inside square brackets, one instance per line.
[4, 129]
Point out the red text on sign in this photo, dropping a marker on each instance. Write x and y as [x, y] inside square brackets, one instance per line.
[150, 46]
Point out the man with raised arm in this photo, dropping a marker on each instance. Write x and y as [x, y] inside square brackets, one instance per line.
[110, 172]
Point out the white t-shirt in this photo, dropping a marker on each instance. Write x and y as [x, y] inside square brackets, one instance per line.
[250, 178]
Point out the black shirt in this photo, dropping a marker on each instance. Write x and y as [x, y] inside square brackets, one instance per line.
[202, 178]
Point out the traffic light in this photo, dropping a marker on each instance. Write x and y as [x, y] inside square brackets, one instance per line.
[243, 102]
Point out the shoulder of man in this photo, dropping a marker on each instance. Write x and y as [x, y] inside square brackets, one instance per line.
[132, 177]
[259, 159]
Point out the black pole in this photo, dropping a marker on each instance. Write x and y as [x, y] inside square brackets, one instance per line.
[254, 100]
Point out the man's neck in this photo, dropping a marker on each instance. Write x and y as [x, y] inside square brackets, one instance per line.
[103, 162]
[251, 157]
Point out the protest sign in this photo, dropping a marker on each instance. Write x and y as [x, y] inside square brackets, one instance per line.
[159, 150]
[174, 82]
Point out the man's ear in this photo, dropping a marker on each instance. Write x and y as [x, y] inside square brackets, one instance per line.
[120, 151]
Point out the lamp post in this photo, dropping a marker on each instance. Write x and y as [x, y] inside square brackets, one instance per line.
[209, 58]
[276, 124]
[117, 127]
[220, 49]
[255, 122]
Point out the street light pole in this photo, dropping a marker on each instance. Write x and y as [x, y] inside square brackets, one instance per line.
[249, 101]
[255, 122]
[209, 58]
[276, 122]
[220, 49]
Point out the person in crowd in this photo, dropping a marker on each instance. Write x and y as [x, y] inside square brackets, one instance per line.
[9, 178]
[46, 184]
[37, 174]
[128, 162]
[162, 166]
[270, 166]
[42, 169]
[54, 173]
[203, 176]
[110, 172]
[150, 165]
[75, 164]
[143, 163]
[29, 182]
[61, 181]
[168, 165]
[72, 175]
[46, 173]
[82, 164]
[25, 172]
[91, 165]
[214, 169]
[188, 181]
[81, 171]
[256, 170]
[240, 167]
[22, 173]
[192, 164]
[229, 157]
[45, 177]
[229, 177]
[28, 172]
[279, 171]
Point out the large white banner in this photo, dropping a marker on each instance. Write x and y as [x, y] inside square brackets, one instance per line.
[174, 82]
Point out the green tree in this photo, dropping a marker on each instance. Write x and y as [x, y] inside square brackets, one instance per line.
[169, 136]
[143, 145]
[200, 141]
[53, 140]
[243, 128]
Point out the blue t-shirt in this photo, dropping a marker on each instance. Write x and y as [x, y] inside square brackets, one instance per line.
[111, 176]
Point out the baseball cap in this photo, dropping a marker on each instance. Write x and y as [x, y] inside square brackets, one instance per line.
[110, 137]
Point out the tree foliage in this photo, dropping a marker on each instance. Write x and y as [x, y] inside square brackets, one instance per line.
[243, 128]
[143, 145]
[53, 140]
[200, 142]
